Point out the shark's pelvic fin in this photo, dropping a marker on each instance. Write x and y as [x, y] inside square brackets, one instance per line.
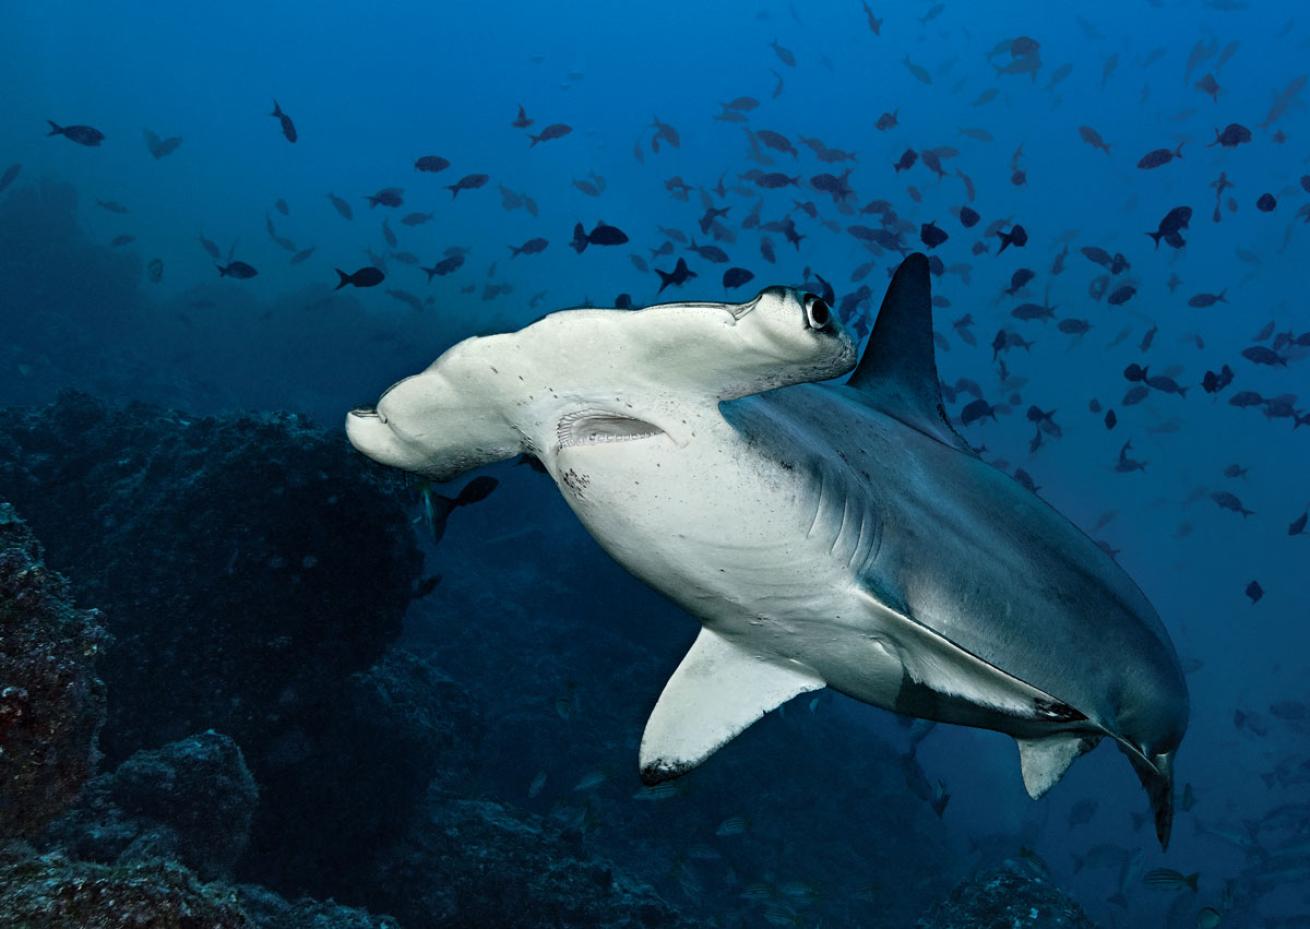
[1044, 761]
[717, 691]
[898, 373]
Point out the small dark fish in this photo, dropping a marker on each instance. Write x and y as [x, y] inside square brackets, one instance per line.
[1170, 879]
[678, 276]
[159, 148]
[237, 269]
[444, 267]
[887, 121]
[467, 182]
[342, 207]
[1297, 526]
[155, 270]
[1160, 156]
[1110, 419]
[288, 127]
[907, 160]
[1093, 138]
[281, 206]
[1171, 226]
[530, 247]
[1266, 203]
[1121, 295]
[1200, 301]
[784, 54]
[367, 276]
[431, 164]
[437, 508]
[416, 219]
[1229, 501]
[932, 235]
[82, 135]
[969, 217]
[113, 206]
[1233, 135]
[709, 252]
[211, 247]
[387, 196]
[735, 277]
[553, 131]
[975, 410]
[1017, 236]
[602, 234]
[1263, 355]
[1255, 592]
[303, 255]
[10, 175]
[120, 240]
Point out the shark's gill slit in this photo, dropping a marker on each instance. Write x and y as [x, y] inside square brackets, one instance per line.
[590, 427]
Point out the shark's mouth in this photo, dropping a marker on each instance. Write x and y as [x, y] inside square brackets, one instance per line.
[598, 427]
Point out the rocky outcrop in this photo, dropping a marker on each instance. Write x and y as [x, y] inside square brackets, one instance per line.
[52, 703]
[192, 801]
[1017, 895]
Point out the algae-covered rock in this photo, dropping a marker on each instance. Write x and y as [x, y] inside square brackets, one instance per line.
[52, 704]
[473, 863]
[53, 892]
[191, 800]
[1014, 896]
[247, 564]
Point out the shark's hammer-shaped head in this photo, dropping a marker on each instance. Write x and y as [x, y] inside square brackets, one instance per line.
[593, 376]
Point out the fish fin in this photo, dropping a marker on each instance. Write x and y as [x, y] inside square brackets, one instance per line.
[1044, 761]
[898, 373]
[55, 128]
[718, 690]
[345, 278]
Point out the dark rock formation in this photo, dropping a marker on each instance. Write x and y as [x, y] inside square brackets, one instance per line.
[391, 731]
[192, 801]
[52, 892]
[1016, 896]
[248, 564]
[266, 910]
[468, 864]
[52, 704]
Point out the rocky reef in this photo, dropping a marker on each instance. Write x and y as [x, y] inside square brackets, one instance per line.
[1017, 895]
[52, 703]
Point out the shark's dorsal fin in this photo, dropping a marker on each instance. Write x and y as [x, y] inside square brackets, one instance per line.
[898, 373]
[717, 691]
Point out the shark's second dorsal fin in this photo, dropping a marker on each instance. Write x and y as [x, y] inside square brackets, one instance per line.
[898, 373]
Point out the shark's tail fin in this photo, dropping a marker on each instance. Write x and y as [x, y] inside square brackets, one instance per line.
[1157, 776]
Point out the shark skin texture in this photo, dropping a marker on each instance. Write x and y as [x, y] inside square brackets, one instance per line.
[824, 534]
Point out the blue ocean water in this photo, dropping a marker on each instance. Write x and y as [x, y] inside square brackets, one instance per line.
[1003, 94]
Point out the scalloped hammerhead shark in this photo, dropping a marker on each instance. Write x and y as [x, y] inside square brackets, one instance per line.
[825, 534]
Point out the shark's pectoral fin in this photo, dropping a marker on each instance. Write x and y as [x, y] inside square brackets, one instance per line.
[717, 691]
[1044, 761]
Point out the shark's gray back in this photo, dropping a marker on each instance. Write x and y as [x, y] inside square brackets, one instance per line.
[970, 553]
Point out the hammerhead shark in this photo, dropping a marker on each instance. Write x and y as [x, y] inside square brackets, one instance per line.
[824, 533]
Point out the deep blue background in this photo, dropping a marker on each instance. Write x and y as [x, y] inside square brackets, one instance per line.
[372, 87]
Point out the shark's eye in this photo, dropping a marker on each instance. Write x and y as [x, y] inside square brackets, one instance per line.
[817, 313]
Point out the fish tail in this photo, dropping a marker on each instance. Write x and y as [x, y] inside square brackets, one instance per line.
[454, 190]
[1156, 237]
[440, 510]
[277, 111]
[55, 128]
[514, 251]
[534, 140]
[222, 271]
[1192, 880]
[345, 278]
[1178, 152]
[665, 280]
